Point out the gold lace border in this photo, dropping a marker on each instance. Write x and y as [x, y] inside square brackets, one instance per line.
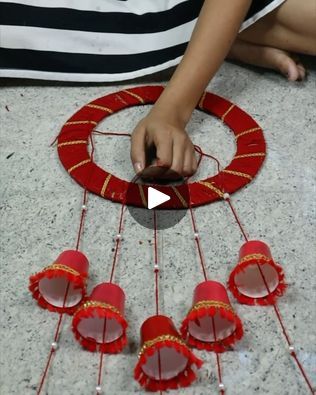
[150, 343]
[95, 303]
[211, 303]
[253, 256]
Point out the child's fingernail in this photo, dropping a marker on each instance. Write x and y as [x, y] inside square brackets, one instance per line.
[138, 167]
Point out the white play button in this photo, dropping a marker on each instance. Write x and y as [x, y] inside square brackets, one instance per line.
[156, 198]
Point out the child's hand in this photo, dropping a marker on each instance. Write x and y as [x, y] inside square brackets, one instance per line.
[172, 147]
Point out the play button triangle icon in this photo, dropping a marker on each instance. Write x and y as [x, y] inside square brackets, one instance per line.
[156, 198]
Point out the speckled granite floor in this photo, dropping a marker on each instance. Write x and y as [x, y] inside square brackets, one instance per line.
[39, 216]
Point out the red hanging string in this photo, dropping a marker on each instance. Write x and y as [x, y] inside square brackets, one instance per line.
[156, 268]
[194, 225]
[112, 133]
[275, 306]
[101, 356]
[84, 202]
[156, 271]
[218, 363]
[53, 349]
[58, 327]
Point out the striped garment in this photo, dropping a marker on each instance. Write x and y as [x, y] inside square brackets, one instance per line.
[99, 40]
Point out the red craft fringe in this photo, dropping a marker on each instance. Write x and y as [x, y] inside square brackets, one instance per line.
[90, 343]
[77, 281]
[183, 379]
[221, 345]
[269, 299]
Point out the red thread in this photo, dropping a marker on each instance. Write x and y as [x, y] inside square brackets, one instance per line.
[101, 355]
[276, 309]
[194, 226]
[117, 242]
[156, 262]
[237, 219]
[52, 350]
[84, 209]
[112, 133]
[219, 371]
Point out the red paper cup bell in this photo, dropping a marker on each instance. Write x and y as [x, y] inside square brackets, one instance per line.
[211, 324]
[256, 279]
[61, 286]
[99, 323]
[165, 362]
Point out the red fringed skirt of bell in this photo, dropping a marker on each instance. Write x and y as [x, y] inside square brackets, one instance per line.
[61, 286]
[165, 361]
[211, 324]
[99, 323]
[256, 279]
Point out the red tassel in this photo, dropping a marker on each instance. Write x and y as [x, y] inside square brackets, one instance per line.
[79, 282]
[90, 343]
[183, 379]
[271, 297]
[220, 346]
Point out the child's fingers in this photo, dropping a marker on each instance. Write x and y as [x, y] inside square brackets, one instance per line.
[163, 144]
[189, 165]
[138, 149]
[178, 151]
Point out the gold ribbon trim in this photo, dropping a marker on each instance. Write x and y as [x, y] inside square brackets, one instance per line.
[78, 165]
[159, 339]
[238, 173]
[179, 196]
[253, 256]
[212, 188]
[74, 142]
[80, 123]
[211, 303]
[142, 195]
[134, 95]
[106, 109]
[250, 155]
[58, 266]
[247, 132]
[105, 184]
[227, 112]
[94, 303]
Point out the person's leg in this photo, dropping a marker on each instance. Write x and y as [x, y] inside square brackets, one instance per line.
[268, 42]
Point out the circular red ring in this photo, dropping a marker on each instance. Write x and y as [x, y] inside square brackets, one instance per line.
[73, 153]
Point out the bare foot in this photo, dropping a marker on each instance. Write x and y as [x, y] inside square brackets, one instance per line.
[268, 57]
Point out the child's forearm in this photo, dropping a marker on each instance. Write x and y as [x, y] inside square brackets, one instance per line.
[214, 33]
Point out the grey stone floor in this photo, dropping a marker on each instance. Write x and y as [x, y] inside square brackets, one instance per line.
[40, 207]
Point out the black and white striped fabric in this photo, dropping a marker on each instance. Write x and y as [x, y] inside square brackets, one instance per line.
[99, 40]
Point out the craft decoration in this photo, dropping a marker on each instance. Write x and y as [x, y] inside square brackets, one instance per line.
[269, 278]
[256, 279]
[165, 361]
[67, 275]
[74, 155]
[211, 323]
[99, 323]
[61, 286]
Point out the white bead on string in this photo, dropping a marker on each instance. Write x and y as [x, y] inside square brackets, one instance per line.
[84, 207]
[221, 386]
[54, 345]
[98, 389]
[118, 237]
[226, 196]
[156, 267]
[196, 235]
[291, 348]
